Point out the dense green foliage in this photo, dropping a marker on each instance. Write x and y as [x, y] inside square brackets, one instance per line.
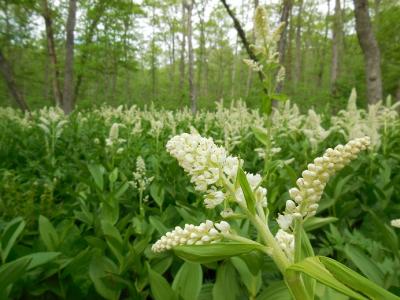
[78, 213]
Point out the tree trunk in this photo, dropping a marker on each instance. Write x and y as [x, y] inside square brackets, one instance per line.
[336, 48]
[287, 7]
[324, 46]
[48, 21]
[68, 97]
[192, 91]
[99, 9]
[182, 59]
[370, 50]
[9, 78]
[298, 62]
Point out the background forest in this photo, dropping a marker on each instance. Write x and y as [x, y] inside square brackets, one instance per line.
[173, 52]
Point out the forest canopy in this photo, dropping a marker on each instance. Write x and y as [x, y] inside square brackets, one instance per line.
[172, 53]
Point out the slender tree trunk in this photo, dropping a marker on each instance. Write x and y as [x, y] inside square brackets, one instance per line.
[336, 47]
[192, 90]
[323, 54]
[153, 58]
[183, 48]
[99, 9]
[201, 58]
[9, 78]
[286, 8]
[68, 97]
[48, 21]
[370, 48]
[298, 62]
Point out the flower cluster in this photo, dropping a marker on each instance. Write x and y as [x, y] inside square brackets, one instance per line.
[206, 233]
[305, 198]
[395, 223]
[211, 168]
[140, 179]
[286, 242]
[113, 137]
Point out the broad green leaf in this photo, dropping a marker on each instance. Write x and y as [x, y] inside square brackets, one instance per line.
[162, 265]
[212, 252]
[326, 293]
[12, 271]
[247, 191]
[366, 265]
[188, 281]
[48, 234]
[113, 239]
[389, 236]
[41, 258]
[355, 280]
[317, 222]
[261, 134]
[160, 289]
[275, 291]
[97, 172]
[10, 235]
[226, 284]
[99, 271]
[157, 193]
[158, 225]
[121, 190]
[312, 267]
[252, 282]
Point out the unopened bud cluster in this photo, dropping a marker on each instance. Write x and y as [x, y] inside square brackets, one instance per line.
[285, 241]
[206, 233]
[304, 199]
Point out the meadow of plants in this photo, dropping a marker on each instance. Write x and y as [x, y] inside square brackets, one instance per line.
[85, 197]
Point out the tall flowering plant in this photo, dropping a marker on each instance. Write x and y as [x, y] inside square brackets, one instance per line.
[222, 180]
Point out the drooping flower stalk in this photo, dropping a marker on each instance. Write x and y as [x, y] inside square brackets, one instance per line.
[206, 233]
[306, 196]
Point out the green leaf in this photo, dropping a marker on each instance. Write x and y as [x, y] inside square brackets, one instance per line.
[226, 284]
[252, 282]
[317, 222]
[160, 289]
[48, 234]
[247, 192]
[12, 271]
[212, 252]
[389, 236]
[100, 271]
[275, 291]
[157, 193]
[261, 134]
[366, 265]
[158, 225]
[10, 235]
[121, 190]
[113, 239]
[40, 258]
[97, 172]
[356, 281]
[188, 281]
[312, 267]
